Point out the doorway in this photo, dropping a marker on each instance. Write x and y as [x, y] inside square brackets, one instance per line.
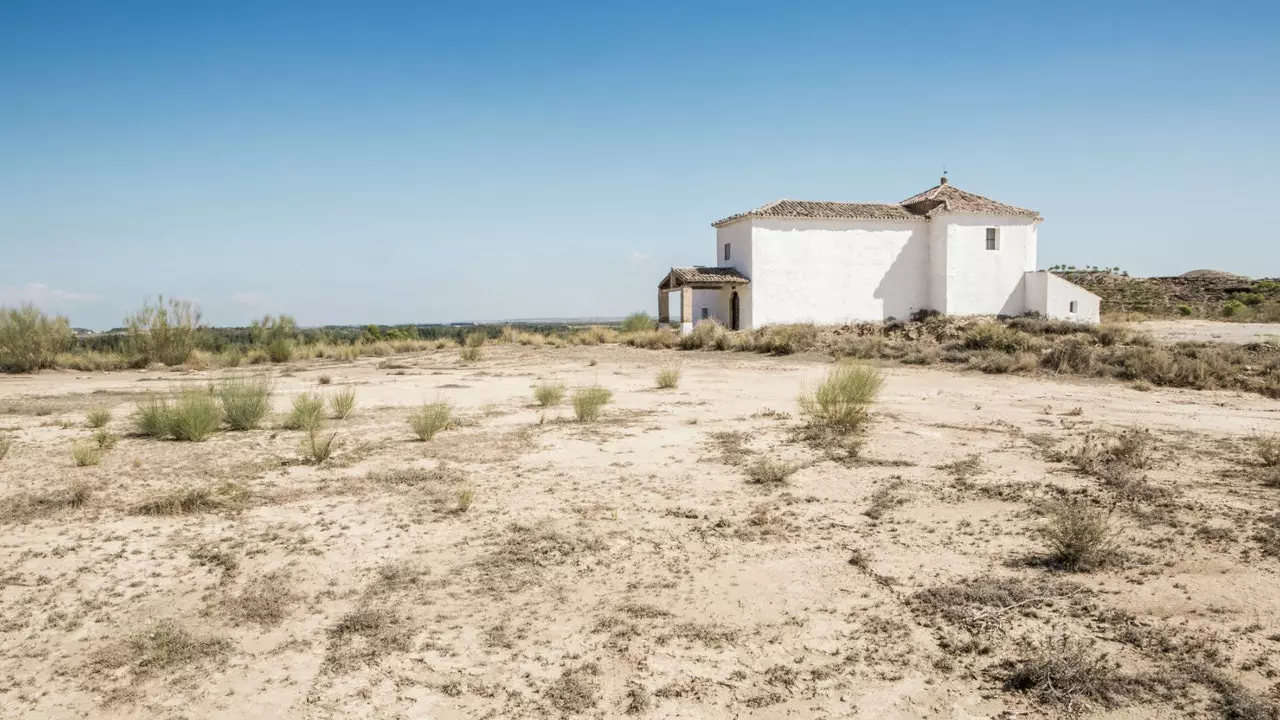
[733, 311]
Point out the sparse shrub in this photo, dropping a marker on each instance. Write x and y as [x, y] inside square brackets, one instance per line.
[993, 361]
[195, 415]
[767, 471]
[466, 496]
[280, 350]
[324, 380]
[840, 402]
[164, 332]
[549, 394]
[476, 338]
[186, 500]
[1267, 448]
[86, 455]
[660, 339]
[638, 322]
[1185, 310]
[1232, 308]
[1074, 354]
[163, 646]
[1152, 364]
[307, 412]
[5, 445]
[316, 447]
[104, 439]
[245, 400]
[1249, 298]
[430, 419]
[862, 348]
[342, 402]
[276, 336]
[922, 353]
[785, 339]
[154, 417]
[98, 416]
[588, 402]
[1079, 537]
[668, 378]
[1068, 672]
[470, 353]
[994, 336]
[594, 335]
[706, 334]
[31, 340]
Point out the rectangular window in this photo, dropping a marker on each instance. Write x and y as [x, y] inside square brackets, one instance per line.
[726, 251]
[706, 312]
[993, 240]
[1075, 307]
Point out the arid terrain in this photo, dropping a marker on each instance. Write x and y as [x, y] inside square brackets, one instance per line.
[523, 565]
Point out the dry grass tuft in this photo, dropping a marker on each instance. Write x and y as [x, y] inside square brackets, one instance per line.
[466, 496]
[194, 416]
[470, 353]
[1079, 537]
[105, 439]
[265, 600]
[549, 394]
[342, 402]
[317, 448]
[1267, 449]
[245, 400]
[668, 378]
[153, 417]
[840, 403]
[767, 471]
[307, 413]
[166, 645]
[98, 416]
[364, 635]
[576, 690]
[226, 496]
[85, 455]
[26, 507]
[430, 419]
[588, 403]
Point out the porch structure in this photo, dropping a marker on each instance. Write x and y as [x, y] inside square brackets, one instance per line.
[713, 290]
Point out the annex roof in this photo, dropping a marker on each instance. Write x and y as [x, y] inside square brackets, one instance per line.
[700, 275]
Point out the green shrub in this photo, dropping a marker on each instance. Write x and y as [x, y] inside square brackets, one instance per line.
[430, 419]
[280, 350]
[307, 412]
[1079, 537]
[840, 403]
[245, 400]
[549, 394]
[470, 353]
[195, 415]
[638, 322]
[164, 332]
[31, 340]
[1248, 298]
[588, 402]
[668, 378]
[154, 417]
[1185, 310]
[86, 455]
[1232, 308]
[98, 416]
[276, 335]
[342, 402]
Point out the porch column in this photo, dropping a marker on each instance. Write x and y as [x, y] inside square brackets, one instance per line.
[664, 307]
[686, 310]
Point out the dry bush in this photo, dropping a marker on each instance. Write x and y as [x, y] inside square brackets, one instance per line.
[1071, 673]
[732, 446]
[1079, 537]
[1002, 338]
[98, 416]
[430, 419]
[549, 394]
[365, 635]
[660, 339]
[245, 400]
[307, 412]
[166, 645]
[26, 507]
[1112, 457]
[164, 332]
[475, 339]
[840, 403]
[767, 471]
[31, 340]
[886, 498]
[784, 339]
[265, 600]
[982, 603]
[667, 378]
[1072, 354]
[194, 416]
[316, 448]
[5, 445]
[594, 335]
[466, 496]
[588, 402]
[470, 353]
[342, 402]
[86, 455]
[226, 496]
[104, 439]
[1267, 449]
[324, 380]
[576, 690]
[707, 334]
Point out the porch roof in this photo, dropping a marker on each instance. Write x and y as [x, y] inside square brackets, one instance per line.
[699, 276]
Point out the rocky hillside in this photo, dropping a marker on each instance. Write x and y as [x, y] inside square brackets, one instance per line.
[1199, 293]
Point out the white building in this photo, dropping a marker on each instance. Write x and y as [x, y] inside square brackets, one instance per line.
[827, 262]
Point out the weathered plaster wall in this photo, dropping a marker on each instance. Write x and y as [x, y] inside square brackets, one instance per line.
[832, 271]
[981, 281]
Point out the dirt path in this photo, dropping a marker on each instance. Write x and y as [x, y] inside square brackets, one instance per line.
[1210, 331]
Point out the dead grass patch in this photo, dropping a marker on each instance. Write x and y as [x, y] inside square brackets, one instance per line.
[366, 634]
[29, 506]
[767, 471]
[712, 635]
[986, 602]
[1070, 673]
[576, 690]
[222, 497]
[265, 600]
[887, 498]
[523, 552]
[164, 646]
[731, 446]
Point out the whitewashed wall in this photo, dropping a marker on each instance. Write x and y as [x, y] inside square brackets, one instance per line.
[979, 281]
[833, 271]
[739, 236]
[1052, 296]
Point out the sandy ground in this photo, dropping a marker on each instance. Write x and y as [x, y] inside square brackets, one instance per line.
[626, 565]
[1209, 331]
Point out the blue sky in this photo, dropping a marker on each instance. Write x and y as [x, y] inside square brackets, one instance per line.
[417, 162]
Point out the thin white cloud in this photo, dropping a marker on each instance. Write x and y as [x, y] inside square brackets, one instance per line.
[639, 257]
[249, 298]
[39, 292]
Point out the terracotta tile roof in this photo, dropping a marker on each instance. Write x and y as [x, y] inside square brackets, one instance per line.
[705, 276]
[949, 198]
[936, 200]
